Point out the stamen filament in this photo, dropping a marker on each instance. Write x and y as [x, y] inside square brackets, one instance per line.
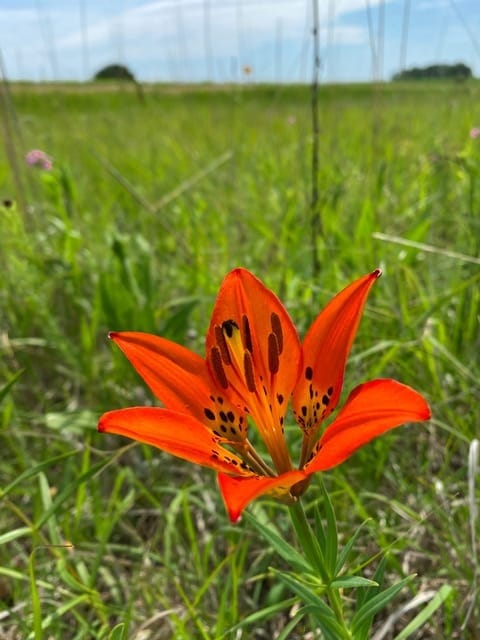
[254, 460]
[308, 443]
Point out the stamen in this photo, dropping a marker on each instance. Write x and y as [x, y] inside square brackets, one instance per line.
[247, 336]
[217, 365]
[277, 330]
[273, 353]
[245, 377]
[248, 371]
[228, 326]
[222, 344]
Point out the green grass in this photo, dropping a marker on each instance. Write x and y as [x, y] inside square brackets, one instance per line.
[149, 205]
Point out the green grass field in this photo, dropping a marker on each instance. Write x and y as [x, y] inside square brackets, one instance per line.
[151, 201]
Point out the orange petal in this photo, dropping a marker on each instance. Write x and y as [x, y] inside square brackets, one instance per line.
[371, 409]
[325, 352]
[254, 352]
[238, 492]
[246, 301]
[176, 375]
[176, 433]
[180, 379]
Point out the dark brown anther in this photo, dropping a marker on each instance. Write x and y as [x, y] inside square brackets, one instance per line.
[247, 336]
[222, 344]
[273, 353]
[248, 371]
[216, 361]
[228, 326]
[277, 330]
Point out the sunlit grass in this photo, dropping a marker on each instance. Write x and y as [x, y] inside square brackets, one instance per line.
[149, 205]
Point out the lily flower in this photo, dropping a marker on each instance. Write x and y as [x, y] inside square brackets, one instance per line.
[254, 367]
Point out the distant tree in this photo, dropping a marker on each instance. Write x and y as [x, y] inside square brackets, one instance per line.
[115, 72]
[457, 71]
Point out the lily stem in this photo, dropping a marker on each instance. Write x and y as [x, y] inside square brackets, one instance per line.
[315, 557]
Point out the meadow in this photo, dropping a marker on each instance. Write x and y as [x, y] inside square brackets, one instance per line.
[151, 200]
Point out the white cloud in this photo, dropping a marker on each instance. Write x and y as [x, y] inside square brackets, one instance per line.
[225, 17]
[184, 39]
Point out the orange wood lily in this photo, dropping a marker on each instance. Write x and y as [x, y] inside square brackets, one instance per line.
[255, 366]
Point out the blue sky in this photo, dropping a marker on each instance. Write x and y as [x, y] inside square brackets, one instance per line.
[196, 40]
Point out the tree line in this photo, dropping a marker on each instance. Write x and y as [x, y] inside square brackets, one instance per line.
[457, 71]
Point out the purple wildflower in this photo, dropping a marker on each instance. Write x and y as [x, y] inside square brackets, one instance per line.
[474, 132]
[37, 158]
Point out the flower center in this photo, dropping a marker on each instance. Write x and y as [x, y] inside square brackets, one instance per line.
[250, 375]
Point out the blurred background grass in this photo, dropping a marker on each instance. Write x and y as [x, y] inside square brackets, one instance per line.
[150, 202]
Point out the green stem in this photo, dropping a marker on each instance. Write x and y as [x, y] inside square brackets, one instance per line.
[313, 551]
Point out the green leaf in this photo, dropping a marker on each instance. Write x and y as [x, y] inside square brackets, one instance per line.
[6, 387]
[331, 534]
[50, 619]
[176, 325]
[329, 626]
[304, 590]
[69, 490]
[74, 422]
[32, 471]
[118, 632]
[13, 535]
[317, 607]
[262, 614]
[366, 594]
[421, 618]
[376, 604]
[352, 582]
[327, 632]
[37, 611]
[320, 529]
[285, 634]
[345, 552]
[309, 542]
[281, 546]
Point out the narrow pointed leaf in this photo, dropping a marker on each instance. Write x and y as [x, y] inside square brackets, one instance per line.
[345, 550]
[352, 582]
[7, 386]
[304, 591]
[376, 604]
[280, 545]
[426, 613]
[331, 534]
[263, 614]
